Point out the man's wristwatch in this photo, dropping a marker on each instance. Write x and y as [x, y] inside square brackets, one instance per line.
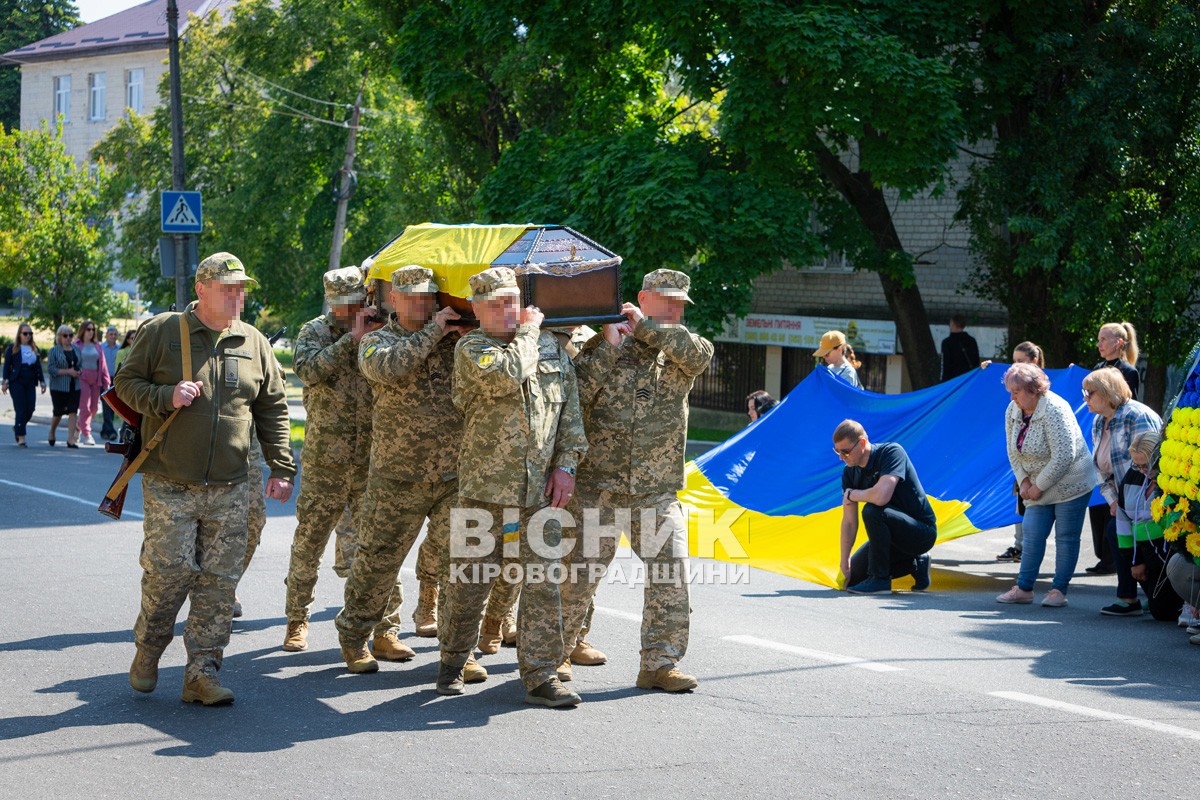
[569, 470]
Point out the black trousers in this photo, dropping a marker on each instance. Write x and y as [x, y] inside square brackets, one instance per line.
[1099, 517]
[1161, 599]
[24, 400]
[894, 541]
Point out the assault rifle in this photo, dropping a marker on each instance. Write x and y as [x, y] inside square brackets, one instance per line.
[129, 443]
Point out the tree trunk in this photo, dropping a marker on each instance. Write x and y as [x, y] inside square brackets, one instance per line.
[921, 357]
[1155, 388]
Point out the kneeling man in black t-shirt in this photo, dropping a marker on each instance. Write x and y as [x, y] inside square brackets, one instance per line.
[901, 525]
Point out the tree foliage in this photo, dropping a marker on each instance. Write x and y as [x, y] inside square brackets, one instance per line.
[1088, 210]
[266, 102]
[54, 224]
[709, 134]
[24, 22]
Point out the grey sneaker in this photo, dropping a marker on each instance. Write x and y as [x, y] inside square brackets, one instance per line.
[552, 694]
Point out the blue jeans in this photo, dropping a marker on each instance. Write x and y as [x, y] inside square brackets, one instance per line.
[1067, 520]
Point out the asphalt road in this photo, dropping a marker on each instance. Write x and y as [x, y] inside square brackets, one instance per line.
[804, 691]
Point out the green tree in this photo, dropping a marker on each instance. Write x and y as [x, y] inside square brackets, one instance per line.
[54, 224]
[24, 22]
[1087, 211]
[816, 111]
[266, 102]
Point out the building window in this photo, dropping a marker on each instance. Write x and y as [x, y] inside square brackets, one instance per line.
[62, 97]
[133, 89]
[96, 95]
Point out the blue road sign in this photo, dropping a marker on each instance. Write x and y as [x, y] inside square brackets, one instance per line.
[181, 212]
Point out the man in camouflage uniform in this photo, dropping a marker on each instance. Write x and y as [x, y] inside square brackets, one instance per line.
[337, 437]
[634, 382]
[194, 483]
[414, 451]
[523, 436]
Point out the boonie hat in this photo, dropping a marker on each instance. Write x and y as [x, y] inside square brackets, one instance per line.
[223, 267]
[414, 279]
[344, 286]
[829, 341]
[669, 282]
[492, 283]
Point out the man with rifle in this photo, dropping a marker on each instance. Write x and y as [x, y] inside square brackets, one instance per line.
[211, 379]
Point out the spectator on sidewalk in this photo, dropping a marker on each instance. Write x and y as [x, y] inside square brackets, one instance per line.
[1119, 419]
[1024, 353]
[63, 364]
[22, 376]
[758, 403]
[93, 379]
[110, 348]
[1118, 346]
[839, 357]
[960, 352]
[1052, 467]
[125, 345]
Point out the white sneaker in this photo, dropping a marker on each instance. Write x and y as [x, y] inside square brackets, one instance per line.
[88, 440]
[1188, 618]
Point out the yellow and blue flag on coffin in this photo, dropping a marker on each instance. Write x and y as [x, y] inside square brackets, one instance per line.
[770, 497]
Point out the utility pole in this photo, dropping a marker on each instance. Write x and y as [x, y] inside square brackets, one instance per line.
[342, 195]
[183, 295]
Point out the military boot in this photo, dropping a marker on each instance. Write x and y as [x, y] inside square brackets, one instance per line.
[207, 690]
[564, 671]
[426, 614]
[668, 678]
[586, 655]
[552, 694]
[296, 637]
[359, 659]
[389, 648]
[508, 628]
[472, 672]
[489, 636]
[143, 672]
[449, 680]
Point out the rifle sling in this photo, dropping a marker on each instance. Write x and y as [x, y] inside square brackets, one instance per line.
[121, 482]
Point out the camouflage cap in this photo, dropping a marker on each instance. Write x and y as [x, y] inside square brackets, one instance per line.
[414, 280]
[493, 283]
[345, 286]
[223, 267]
[669, 282]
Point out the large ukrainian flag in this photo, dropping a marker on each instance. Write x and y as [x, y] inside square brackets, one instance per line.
[777, 484]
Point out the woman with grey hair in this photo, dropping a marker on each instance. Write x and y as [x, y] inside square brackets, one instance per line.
[65, 365]
[1119, 418]
[1053, 470]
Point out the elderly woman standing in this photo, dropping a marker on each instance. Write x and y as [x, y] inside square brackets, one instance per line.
[63, 364]
[1119, 419]
[1052, 466]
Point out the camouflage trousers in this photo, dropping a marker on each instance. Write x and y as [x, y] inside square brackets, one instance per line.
[666, 605]
[327, 495]
[194, 546]
[539, 617]
[393, 514]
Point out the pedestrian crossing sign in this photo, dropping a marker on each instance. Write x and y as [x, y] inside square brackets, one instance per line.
[181, 212]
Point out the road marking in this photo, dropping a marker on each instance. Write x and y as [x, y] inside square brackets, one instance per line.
[1084, 711]
[816, 655]
[87, 503]
[612, 612]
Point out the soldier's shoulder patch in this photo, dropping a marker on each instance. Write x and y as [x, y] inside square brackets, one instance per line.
[486, 357]
[370, 350]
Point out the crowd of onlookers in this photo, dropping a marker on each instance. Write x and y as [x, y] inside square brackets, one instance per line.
[77, 369]
[1056, 473]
